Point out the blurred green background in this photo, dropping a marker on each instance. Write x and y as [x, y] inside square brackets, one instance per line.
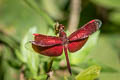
[20, 18]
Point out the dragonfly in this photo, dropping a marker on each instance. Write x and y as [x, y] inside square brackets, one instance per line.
[54, 46]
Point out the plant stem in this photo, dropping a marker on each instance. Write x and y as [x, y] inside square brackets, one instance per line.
[49, 67]
[74, 15]
[22, 74]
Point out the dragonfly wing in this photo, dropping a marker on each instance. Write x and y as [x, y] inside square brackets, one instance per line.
[45, 41]
[86, 30]
[74, 46]
[48, 51]
[47, 45]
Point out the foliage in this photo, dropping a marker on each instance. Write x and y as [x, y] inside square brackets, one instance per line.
[20, 18]
[89, 74]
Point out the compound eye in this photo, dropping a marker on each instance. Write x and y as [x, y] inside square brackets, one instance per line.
[61, 27]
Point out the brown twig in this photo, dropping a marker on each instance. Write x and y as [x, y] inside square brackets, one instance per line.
[49, 68]
[75, 9]
[22, 74]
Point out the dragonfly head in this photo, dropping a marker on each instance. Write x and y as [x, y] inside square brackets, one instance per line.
[58, 28]
[61, 27]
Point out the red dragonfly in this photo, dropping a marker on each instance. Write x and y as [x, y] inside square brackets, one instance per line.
[54, 46]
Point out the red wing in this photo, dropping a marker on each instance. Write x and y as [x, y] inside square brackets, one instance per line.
[45, 41]
[86, 30]
[74, 46]
[49, 51]
[47, 45]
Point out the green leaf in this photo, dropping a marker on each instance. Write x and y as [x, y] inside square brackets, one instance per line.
[109, 76]
[41, 77]
[65, 78]
[8, 40]
[52, 8]
[106, 52]
[108, 3]
[34, 6]
[80, 56]
[105, 68]
[6, 71]
[30, 58]
[115, 17]
[90, 73]
[15, 63]
[17, 17]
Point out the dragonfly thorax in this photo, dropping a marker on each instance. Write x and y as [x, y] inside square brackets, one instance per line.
[63, 36]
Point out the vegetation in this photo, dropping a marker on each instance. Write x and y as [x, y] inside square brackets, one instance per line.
[99, 59]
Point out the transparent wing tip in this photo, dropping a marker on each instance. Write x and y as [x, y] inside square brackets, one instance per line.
[98, 22]
[28, 45]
